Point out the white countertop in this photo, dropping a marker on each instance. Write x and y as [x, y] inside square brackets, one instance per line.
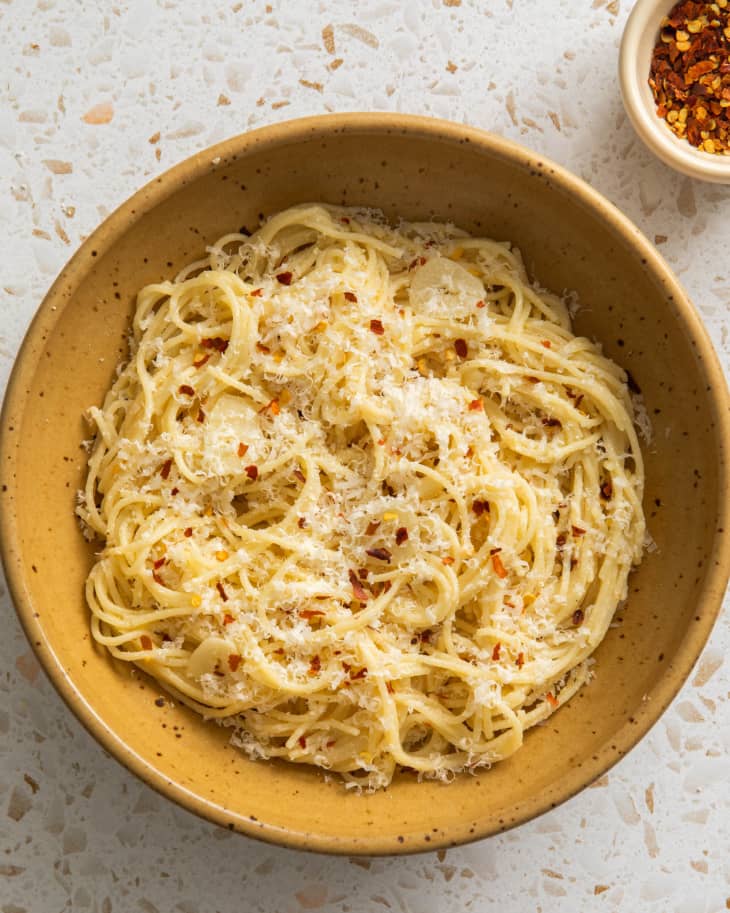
[167, 78]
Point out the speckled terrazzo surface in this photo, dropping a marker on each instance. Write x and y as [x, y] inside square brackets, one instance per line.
[95, 99]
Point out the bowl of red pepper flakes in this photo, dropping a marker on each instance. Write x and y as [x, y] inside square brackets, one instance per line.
[674, 72]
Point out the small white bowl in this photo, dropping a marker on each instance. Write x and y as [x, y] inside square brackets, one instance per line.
[637, 44]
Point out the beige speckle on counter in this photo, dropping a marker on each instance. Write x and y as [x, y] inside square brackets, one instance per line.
[708, 665]
[57, 167]
[328, 37]
[27, 666]
[312, 897]
[361, 34]
[18, 804]
[93, 94]
[99, 114]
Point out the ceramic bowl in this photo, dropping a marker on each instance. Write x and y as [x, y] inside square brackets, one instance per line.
[637, 44]
[571, 238]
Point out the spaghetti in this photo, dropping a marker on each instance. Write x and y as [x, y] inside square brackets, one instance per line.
[364, 496]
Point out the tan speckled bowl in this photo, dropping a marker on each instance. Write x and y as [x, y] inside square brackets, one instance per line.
[571, 238]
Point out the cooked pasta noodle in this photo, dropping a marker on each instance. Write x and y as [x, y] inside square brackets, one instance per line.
[364, 496]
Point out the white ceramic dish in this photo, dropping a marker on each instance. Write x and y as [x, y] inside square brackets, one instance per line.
[637, 44]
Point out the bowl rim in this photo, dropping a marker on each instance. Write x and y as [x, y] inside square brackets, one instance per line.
[633, 69]
[130, 212]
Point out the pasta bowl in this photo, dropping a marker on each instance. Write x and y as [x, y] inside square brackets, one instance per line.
[418, 169]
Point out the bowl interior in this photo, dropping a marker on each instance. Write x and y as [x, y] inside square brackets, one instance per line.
[570, 239]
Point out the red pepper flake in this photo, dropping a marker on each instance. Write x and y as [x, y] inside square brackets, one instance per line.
[553, 701]
[350, 296]
[499, 568]
[256, 293]
[215, 342]
[188, 532]
[561, 540]
[533, 380]
[357, 588]
[578, 617]
[419, 261]
[363, 573]
[252, 472]
[315, 664]
[552, 423]
[308, 614]
[476, 405]
[688, 74]
[376, 326]
[469, 452]
[607, 490]
[228, 619]
[272, 406]
[481, 304]
[461, 348]
[494, 551]
[448, 560]
[242, 448]
[480, 507]
[547, 343]
[302, 740]
[699, 69]
[302, 522]
[344, 220]
[372, 527]
[158, 564]
[200, 418]
[401, 535]
[298, 474]
[285, 278]
[146, 642]
[361, 673]
[174, 491]
[234, 661]
[186, 390]
[165, 469]
[222, 593]
[520, 661]
[382, 554]
[260, 347]
[577, 531]
[390, 688]
[199, 362]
